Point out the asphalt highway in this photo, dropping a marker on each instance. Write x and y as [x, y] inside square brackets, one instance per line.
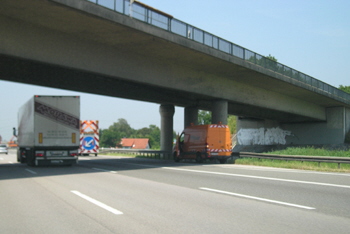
[107, 194]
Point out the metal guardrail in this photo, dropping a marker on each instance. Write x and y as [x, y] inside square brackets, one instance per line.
[156, 154]
[164, 21]
[319, 159]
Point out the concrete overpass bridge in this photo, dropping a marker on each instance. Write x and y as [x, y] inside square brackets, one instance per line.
[137, 52]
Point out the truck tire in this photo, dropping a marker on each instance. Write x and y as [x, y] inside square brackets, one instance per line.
[199, 157]
[176, 159]
[30, 158]
[222, 161]
[20, 158]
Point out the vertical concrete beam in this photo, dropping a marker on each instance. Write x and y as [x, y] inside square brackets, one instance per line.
[219, 112]
[347, 125]
[166, 128]
[191, 116]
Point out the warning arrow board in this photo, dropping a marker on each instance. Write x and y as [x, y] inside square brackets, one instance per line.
[89, 143]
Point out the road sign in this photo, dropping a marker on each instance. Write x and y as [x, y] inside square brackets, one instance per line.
[89, 143]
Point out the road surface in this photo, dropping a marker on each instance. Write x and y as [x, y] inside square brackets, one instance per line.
[108, 194]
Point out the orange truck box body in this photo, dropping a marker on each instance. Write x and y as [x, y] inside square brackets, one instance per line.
[202, 142]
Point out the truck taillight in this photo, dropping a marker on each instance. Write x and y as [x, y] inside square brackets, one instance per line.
[73, 154]
[39, 155]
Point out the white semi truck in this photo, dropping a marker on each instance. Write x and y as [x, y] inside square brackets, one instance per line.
[48, 130]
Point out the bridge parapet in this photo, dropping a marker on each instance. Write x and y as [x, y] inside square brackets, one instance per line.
[165, 21]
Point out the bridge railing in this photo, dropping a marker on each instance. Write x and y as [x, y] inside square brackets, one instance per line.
[162, 20]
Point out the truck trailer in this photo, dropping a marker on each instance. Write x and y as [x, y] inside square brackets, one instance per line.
[48, 130]
[202, 142]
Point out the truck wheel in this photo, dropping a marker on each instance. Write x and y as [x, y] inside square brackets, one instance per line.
[30, 158]
[222, 161]
[19, 156]
[30, 162]
[176, 159]
[199, 158]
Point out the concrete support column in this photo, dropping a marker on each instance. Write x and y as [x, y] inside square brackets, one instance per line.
[219, 112]
[191, 116]
[166, 128]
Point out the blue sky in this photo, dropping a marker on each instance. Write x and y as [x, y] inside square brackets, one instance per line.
[311, 36]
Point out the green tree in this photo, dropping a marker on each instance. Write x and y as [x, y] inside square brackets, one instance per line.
[152, 133]
[345, 88]
[271, 58]
[109, 138]
[204, 117]
[232, 123]
[112, 136]
[269, 62]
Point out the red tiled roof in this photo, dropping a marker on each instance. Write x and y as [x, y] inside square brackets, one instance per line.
[135, 143]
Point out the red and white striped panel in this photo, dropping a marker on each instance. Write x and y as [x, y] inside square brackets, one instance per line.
[218, 126]
[89, 127]
[219, 150]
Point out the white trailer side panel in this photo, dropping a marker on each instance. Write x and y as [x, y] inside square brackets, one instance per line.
[26, 124]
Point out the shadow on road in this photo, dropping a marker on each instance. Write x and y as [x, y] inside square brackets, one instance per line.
[88, 164]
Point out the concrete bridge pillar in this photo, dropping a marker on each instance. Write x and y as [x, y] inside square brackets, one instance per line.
[219, 112]
[166, 128]
[191, 116]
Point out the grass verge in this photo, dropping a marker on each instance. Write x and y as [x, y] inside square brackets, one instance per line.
[309, 151]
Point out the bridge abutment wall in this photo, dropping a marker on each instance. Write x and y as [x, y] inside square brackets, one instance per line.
[334, 131]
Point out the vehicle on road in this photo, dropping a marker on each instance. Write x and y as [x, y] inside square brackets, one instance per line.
[48, 130]
[202, 142]
[89, 137]
[3, 149]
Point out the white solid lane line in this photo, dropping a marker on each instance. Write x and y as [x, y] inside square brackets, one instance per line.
[100, 204]
[258, 168]
[258, 198]
[99, 169]
[259, 177]
[33, 172]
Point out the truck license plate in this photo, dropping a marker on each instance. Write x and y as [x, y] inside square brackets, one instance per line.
[56, 161]
[57, 153]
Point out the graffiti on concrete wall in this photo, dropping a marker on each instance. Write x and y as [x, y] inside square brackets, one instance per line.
[262, 136]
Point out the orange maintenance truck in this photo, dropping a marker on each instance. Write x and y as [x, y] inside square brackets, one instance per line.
[201, 142]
